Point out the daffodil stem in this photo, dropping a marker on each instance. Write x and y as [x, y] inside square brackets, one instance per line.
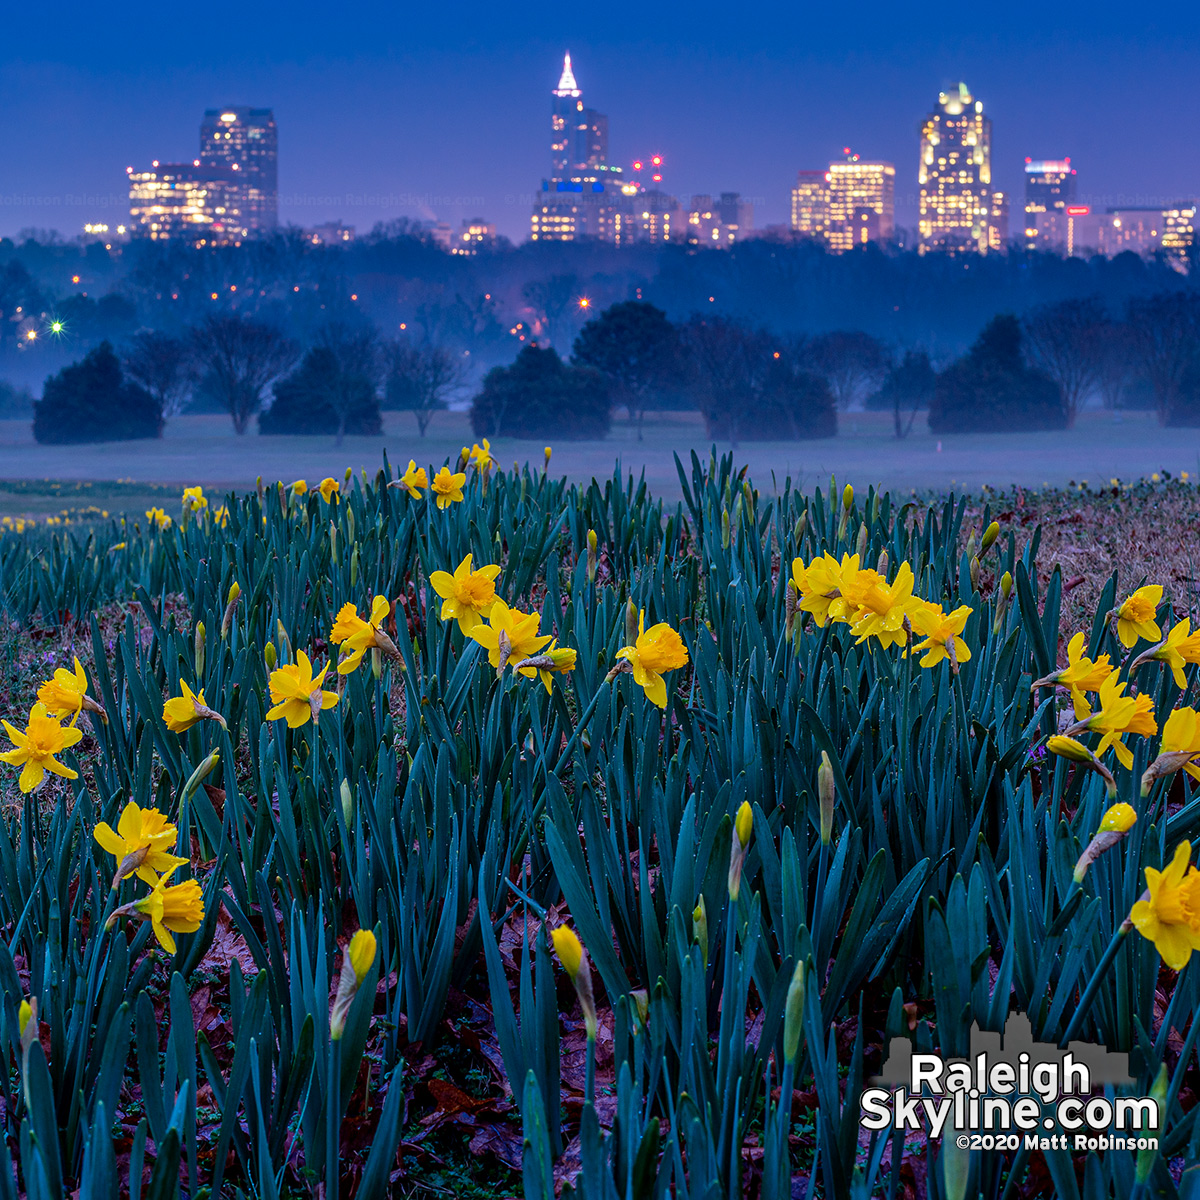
[589, 1090]
[580, 726]
[333, 1122]
[1089, 993]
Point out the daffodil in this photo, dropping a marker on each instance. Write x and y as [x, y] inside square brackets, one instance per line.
[356, 636]
[657, 650]
[509, 637]
[832, 590]
[329, 489]
[296, 694]
[942, 634]
[467, 595]
[66, 694]
[448, 487]
[221, 516]
[1180, 646]
[182, 712]
[1118, 715]
[158, 518]
[36, 747]
[554, 660]
[1135, 616]
[1076, 751]
[172, 908]
[1081, 674]
[568, 948]
[298, 487]
[413, 481]
[141, 844]
[357, 960]
[1169, 913]
[574, 959]
[1116, 823]
[481, 456]
[1180, 746]
[194, 499]
[883, 608]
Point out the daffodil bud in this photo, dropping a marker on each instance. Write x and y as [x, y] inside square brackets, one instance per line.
[349, 511]
[354, 566]
[799, 528]
[1075, 751]
[990, 534]
[847, 497]
[826, 796]
[793, 1018]
[641, 1007]
[357, 960]
[262, 491]
[207, 766]
[546, 456]
[198, 646]
[700, 929]
[25, 1017]
[631, 623]
[333, 546]
[376, 662]
[269, 656]
[881, 564]
[592, 556]
[725, 529]
[861, 547]
[573, 957]
[1117, 822]
[743, 827]
[975, 572]
[791, 601]
[348, 476]
[347, 803]
[1006, 583]
[971, 545]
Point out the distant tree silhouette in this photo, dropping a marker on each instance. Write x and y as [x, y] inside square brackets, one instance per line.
[163, 365]
[551, 300]
[91, 401]
[540, 396]
[907, 387]
[635, 347]
[991, 389]
[854, 362]
[239, 358]
[1165, 331]
[1066, 340]
[421, 378]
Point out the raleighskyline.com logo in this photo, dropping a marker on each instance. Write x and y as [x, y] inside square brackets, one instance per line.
[1012, 1092]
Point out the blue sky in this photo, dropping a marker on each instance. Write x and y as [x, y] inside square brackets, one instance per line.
[390, 110]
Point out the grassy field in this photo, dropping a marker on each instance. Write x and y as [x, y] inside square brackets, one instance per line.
[203, 449]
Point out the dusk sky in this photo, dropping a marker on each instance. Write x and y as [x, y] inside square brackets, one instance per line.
[442, 111]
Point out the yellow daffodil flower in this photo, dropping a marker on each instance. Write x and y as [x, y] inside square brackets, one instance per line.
[356, 636]
[467, 595]
[296, 694]
[173, 908]
[1118, 716]
[562, 659]
[182, 712]
[568, 948]
[1169, 915]
[942, 634]
[1181, 735]
[657, 650]
[448, 487]
[1180, 646]
[1135, 616]
[221, 516]
[141, 844]
[158, 518]
[413, 481]
[298, 487]
[1081, 674]
[66, 694]
[361, 952]
[194, 499]
[329, 489]
[481, 456]
[514, 631]
[36, 747]
[883, 609]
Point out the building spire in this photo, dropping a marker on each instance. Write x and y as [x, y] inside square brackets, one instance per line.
[566, 83]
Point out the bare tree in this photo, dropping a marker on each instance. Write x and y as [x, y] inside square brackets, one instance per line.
[1118, 364]
[730, 370]
[422, 377]
[854, 363]
[356, 357]
[239, 357]
[1066, 341]
[552, 299]
[163, 365]
[1166, 335]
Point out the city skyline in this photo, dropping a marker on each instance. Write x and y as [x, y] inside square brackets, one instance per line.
[375, 128]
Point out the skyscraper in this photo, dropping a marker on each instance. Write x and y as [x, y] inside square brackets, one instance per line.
[810, 204]
[955, 176]
[245, 141]
[861, 203]
[1049, 189]
[187, 202]
[581, 197]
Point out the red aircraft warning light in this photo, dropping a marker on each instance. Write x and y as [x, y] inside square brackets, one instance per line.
[1078, 210]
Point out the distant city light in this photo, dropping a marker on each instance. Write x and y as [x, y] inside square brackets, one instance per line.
[56, 327]
[584, 302]
[31, 335]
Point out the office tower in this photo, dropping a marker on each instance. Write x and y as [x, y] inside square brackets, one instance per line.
[582, 194]
[648, 216]
[861, 203]
[186, 201]
[1049, 190]
[810, 204]
[1169, 230]
[244, 141]
[998, 222]
[955, 175]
